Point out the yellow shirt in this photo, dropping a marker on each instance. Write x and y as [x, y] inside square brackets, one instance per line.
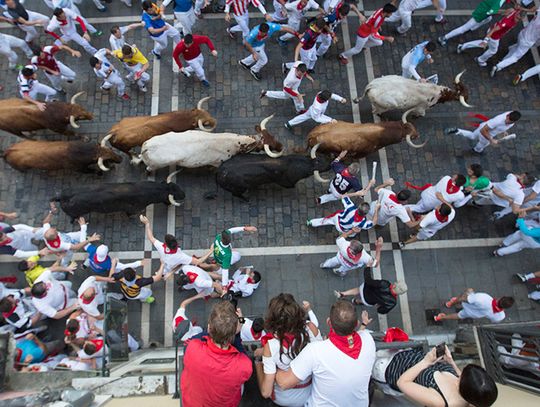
[136, 58]
[32, 274]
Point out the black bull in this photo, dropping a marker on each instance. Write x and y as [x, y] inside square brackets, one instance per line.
[248, 171]
[128, 197]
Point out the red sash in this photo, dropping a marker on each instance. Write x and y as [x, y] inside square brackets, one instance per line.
[452, 188]
[418, 187]
[169, 251]
[440, 218]
[55, 243]
[192, 276]
[394, 199]
[255, 335]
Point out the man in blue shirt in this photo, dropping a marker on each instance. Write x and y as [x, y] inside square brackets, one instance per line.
[184, 15]
[415, 57]
[101, 263]
[255, 42]
[159, 30]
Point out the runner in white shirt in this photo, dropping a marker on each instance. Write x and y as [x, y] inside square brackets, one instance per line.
[54, 299]
[116, 39]
[532, 201]
[476, 306]
[195, 278]
[241, 15]
[30, 88]
[391, 205]
[431, 223]
[296, 11]
[317, 109]
[244, 281]
[291, 83]
[70, 5]
[7, 43]
[340, 366]
[351, 255]
[64, 20]
[404, 14]
[486, 132]
[508, 194]
[186, 330]
[110, 75]
[440, 6]
[90, 296]
[447, 190]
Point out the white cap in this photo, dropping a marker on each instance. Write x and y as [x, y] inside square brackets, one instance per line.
[101, 253]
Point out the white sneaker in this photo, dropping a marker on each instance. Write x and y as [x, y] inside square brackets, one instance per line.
[143, 89]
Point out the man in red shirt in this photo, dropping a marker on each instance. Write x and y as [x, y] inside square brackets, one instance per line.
[190, 48]
[493, 37]
[368, 35]
[213, 358]
[45, 59]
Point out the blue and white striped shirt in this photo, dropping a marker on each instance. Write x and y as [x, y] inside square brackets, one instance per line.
[349, 218]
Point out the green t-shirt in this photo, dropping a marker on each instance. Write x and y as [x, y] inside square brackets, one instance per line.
[481, 183]
[222, 253]
[486, 8]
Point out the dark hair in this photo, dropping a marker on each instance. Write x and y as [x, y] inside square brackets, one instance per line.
[39, 290]
[226, 237]
[23, 265]
[27, 71]
[258, 325]
[114, 28]
[57, 11]
[460, 180]
[476, 169]
[256, 276]
[89, 348]
[182, 280]
[430, 46]
[188, 39]
[477, 387]
[129, 274]
[72, 326]
[127, 50]
[403, 195]
[302, 68]
[528, 178]
[286, 317]
[343, 317]
[505, 302]
[445, 209]
[320, 23]
[36, 49]
[146, 4]
[514, 116]
[264, 28]
[344, 9]
[170, 242]
[389, 8]
[93, 61]
[325, 95]
[222, 323]
[5, 305]
[356, 247]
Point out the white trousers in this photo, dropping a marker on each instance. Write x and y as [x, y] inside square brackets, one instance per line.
[293, 23]
[30, 30]
[423, 206]
[160, 43]
[279, 94]
[332, 195]
[336, 262]
[280, 13]
[330, 221]
[242, 24]
[324, 41]
[428, 3]
[41, 89]
[185, 21]
[79, 40]
[262, 61]
[470, 25]
[195, 65]
[492, 48]
[143, 295]
[482, 142]
[307, 56]
[133, 69]
[115, 80]
[516, 242]
[7, 43]
[309, 115]
[535, 70]
[515, 52]
[361, 43]
[66, 74]
[406, 20]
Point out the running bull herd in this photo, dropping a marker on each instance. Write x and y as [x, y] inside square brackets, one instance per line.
[186, 138]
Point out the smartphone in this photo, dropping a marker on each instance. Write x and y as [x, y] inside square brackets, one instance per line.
[440, 350]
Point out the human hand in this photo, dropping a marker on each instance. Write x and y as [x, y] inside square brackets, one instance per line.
[306, 305]
[494, 141]
[144, 220]
[343, 101]
[214, 53]
[422, 80]
[268, 17]
[228, 17]
[86, 36]
[44, 252]
[448, 355]
[76, 54]
[333, 121]
[41, 106]
[366, 320]
[81, 221]
[251, 229]
[390, 182]
[356, 229]
[390, 39]
[431, 357]
[255, 56]
[94, 238]
[379, 242]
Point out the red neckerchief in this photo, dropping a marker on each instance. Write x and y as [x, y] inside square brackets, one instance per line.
[351, 345]
[353, 257]
[495, 306]
[55, 243]
[250, 280]
[392, 291]
[452, 188]
[87, 301]
[288, 339]
[69, 333]
[63, 22]
[216, 349]
[441, 218]
[255, 335]
[18, 354]
[418, 187]
[177, 321]
[266, 338]
[300, 6]
[98, 343]
[169, 251]
[358, 217]
[260, 36]
[319, 99]
[394, 199]
[520, 184]
[192, 276]
[6, 241]
[345, 173]
[10, 312]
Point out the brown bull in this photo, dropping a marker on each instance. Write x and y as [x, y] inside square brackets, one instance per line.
[132, 132]
[59, 155]
[17, 116]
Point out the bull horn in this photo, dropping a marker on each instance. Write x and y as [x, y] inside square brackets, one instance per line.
[172, 174]
[409, 142]
[264, 121]
[73, 122]
[457, 79]
[172, 201]
[101, 165]
[105, 139]
[462, 101]
[270, 153]
[199, 105]
[404, 116]
[75, 96]
[207, 129]
[316, 173]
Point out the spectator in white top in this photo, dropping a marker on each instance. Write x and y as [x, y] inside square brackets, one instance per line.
[195, 278]
[476, 306]
[392, 205]
[340, 366]
[431, 223]
[351, 255]
[244, 282]
[182, 326]
[487, 131]
[252, 329]
[508, 194]
[317, 109]
[54, 299]
[291, 85]
[447, 190]
[117, 40]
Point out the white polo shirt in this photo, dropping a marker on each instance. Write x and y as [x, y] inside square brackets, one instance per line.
[200, 280]
[429, 196]
[92, 307]
[430, 224]
[389, 208]
[171, 259]
[66, 27]
[118, 43]
[497, 124]
[56, 299]
[338, 380]
[479, 305]
[345, 257]
[511, 188]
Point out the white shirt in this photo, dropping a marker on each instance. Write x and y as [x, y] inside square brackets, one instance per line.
[66, 27]
[297, 14]
[171, 260]
[431, 225]
[338, 380]
[181, 316]
[117, 43]
[106, 65]
[246, 334]
[92, 307]
[202, 282]
[56, 298]
[345, 258]
[479, 305]
[408, 5]
[241, 284]
[84, 326]
[531, 33]
[511, 188]
[497, 124]
[390, 209]
[61, 244]
[430, 199]
[292, 81]
[317, 109]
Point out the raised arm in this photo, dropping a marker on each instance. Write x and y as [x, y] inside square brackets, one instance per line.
[147, 228]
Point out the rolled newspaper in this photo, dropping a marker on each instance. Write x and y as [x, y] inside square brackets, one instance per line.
[374, 170]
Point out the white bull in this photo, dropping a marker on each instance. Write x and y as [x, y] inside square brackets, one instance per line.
[393, 92]
[196, 148]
